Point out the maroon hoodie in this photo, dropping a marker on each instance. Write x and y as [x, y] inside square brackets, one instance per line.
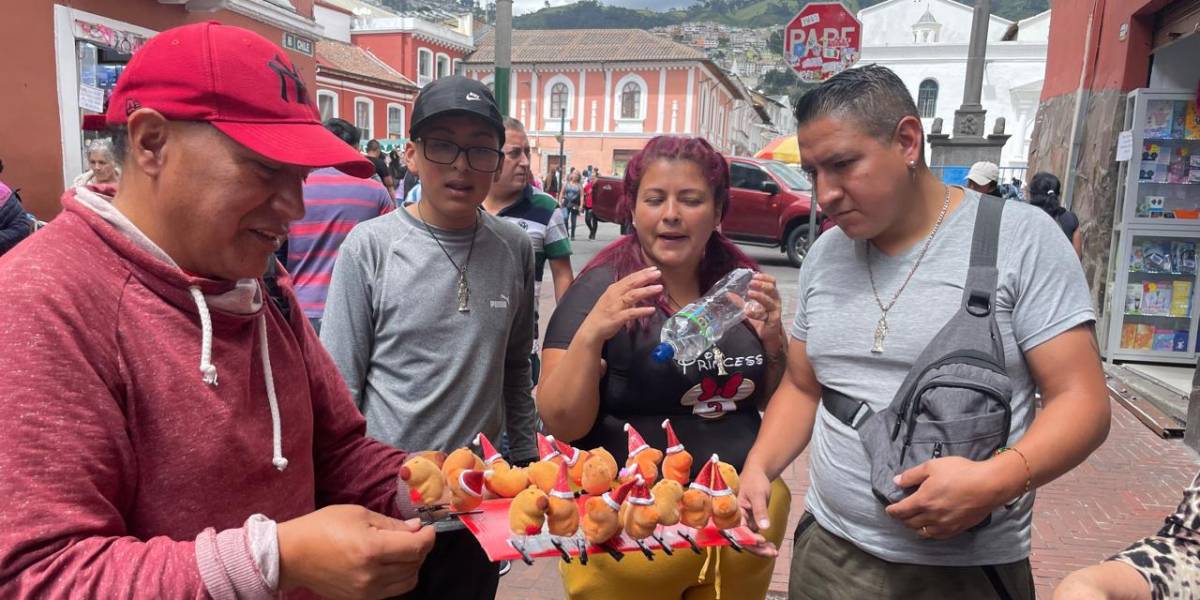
[119, 456]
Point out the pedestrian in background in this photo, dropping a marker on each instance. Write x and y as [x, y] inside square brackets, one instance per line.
[984, 177]
[334, 203]
[399, 172]
[572, 198]
[15, 223]
[375, 155]
[1045, 193]
[102, 165]
[589, 216]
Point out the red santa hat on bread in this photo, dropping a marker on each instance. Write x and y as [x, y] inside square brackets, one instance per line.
[614, 498]
[546, 449]
[487, 449]
[569, 452]
[673, 444]
[640, 495]
[471, 482]
[636, 443]
[562, 486]
[718, 486]
[704, 479]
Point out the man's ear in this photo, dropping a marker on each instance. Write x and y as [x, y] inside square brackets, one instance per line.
[410, 158]
[148, 133]
[910, 136]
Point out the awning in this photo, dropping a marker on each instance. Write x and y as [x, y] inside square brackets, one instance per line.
[784, 149]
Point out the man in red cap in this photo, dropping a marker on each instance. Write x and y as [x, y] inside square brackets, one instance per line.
[168, 433]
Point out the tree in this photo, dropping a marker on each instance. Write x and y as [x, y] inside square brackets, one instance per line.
[775, 41]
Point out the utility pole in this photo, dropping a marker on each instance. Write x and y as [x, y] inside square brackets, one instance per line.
[500, 81]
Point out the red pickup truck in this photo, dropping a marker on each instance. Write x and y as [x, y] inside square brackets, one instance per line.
[770, 202]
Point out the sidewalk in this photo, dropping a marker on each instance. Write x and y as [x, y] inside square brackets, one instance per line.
[1122, 493]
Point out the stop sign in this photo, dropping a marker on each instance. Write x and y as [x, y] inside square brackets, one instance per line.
[822, 40]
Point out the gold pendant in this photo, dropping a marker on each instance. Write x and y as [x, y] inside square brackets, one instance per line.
[881, 331]
[464, 294]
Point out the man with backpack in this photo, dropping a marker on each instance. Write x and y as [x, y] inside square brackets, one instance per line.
[913, 365]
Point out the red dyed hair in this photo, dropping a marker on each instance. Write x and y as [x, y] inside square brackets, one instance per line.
[721, 255]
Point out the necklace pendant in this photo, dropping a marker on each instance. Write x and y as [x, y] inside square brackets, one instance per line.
[881, 331]
[464, 294]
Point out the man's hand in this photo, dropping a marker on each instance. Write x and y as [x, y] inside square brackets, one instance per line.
[954, 494]
[350, 552]
[753, 496]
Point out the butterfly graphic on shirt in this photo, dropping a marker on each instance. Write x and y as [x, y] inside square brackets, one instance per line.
[715, 396]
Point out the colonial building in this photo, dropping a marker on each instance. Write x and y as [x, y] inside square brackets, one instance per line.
[357, 86]
[607, 91]
[925, 43]
[398, 52]
[71, 53]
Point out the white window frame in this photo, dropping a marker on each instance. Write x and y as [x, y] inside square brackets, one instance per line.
[424, 78]
[441, 56]
[403, 116]
[550, 119]
[329, 94]
[936, 93]
[370, 117]
[636, 124]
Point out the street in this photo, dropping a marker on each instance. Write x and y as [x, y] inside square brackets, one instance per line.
[1120, 494]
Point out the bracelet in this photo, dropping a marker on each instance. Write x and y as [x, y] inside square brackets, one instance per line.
[1028, 471]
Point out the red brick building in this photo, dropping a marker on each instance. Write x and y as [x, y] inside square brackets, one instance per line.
[64, 56]
[355, 85]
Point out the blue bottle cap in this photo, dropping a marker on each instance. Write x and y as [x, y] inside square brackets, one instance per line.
[662, 353]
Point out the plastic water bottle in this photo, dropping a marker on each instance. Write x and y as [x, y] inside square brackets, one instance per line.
[701, 324]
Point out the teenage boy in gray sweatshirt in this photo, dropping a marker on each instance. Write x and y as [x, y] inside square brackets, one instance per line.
[430, 312]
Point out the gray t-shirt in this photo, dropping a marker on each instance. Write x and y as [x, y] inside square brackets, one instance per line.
[1041, 294]
[426, 376]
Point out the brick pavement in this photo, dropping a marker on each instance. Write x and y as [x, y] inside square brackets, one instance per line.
[1122, 493]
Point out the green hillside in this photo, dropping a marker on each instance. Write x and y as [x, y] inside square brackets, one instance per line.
[739, 13]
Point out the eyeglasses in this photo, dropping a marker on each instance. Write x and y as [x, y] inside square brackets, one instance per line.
[516, 152]
[445, 152]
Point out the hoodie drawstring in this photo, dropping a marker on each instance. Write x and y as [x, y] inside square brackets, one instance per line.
[277, 459]
[206, 367]
[210, 371]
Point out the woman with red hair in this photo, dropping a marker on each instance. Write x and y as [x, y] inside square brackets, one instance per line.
[598, 374]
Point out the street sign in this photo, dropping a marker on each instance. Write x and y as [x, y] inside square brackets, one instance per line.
[822, 40]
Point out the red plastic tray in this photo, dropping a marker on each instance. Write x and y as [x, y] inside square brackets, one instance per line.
[490, 527]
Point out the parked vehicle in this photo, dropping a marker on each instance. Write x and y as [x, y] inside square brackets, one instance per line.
[769, 205]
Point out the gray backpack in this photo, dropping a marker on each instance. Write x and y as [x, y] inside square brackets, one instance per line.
[956, 399]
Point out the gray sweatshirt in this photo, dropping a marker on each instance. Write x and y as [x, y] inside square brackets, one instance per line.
[426, 376]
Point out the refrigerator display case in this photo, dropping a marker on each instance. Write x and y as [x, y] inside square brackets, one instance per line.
[1152, 315]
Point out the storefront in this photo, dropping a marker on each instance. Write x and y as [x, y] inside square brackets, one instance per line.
[1153, 274]
[1118, 122]
[69, 57]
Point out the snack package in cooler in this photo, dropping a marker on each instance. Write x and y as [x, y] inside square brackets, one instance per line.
[1181, 341]
[1181, 298]
[1157, 257]
[1159, 117]
[1191, 124]
[1156, 298]
[1129, 336]
[1137, 258]
[1183, 257]
[1164, 340]
[1133, 299]
[1179, 119]
[1144, 337]
[1177, 171]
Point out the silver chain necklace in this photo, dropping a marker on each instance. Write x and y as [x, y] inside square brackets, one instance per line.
[881, 328]
[464, 290]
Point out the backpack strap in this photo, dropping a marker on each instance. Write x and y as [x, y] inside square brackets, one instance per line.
[979, 294]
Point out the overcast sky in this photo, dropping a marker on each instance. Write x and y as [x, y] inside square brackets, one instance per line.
[525, 6]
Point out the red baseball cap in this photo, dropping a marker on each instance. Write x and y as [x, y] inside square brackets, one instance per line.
[242, 84]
